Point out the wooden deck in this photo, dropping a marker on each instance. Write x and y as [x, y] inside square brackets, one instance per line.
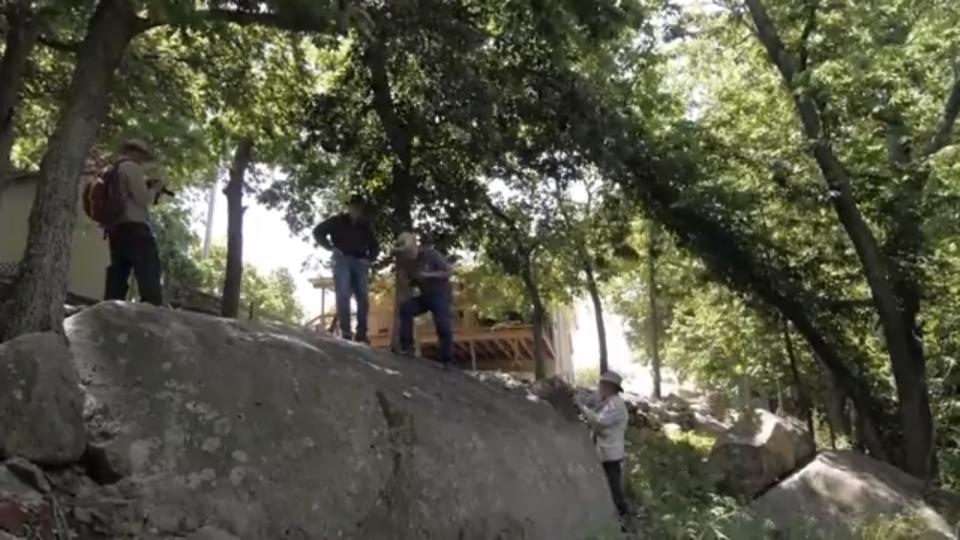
[506, 348]
[503, 346]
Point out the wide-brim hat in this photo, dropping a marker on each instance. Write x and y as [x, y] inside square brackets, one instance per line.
[139, 145]
[357, 201]
[614, 378]
[405, 241]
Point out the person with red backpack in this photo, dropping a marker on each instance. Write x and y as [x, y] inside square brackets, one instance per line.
[120, 201]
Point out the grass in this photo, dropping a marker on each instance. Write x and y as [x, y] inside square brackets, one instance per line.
[893, 528]
[672, 490]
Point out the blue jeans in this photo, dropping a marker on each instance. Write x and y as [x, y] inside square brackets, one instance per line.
[439, 304]
[350, 278]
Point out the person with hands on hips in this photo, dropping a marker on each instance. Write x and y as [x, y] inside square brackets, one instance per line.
[352, 240]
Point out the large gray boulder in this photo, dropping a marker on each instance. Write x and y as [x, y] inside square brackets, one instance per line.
[41, 406]
[758, 450]
[266, 433]
[839, 490]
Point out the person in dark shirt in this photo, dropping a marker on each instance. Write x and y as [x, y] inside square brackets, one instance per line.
[430, 272]
[351, 238]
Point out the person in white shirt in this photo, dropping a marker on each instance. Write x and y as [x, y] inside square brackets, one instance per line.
[608, 420]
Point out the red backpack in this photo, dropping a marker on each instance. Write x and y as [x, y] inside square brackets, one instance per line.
[103, 197]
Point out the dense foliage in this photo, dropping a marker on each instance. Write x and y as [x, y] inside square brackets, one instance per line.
[884, 84]
[270, 296]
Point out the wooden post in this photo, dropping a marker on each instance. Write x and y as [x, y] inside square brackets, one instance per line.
[473, 356]
[323, 305]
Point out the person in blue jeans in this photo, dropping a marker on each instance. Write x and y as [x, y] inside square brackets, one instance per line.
[430, 272]
[351, 238]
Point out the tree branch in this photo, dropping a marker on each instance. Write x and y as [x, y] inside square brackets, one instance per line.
[945, 130]
[897, 150]
[299, 22]
[770, 39]
[808, 29]
[59, 45]
[396, 130]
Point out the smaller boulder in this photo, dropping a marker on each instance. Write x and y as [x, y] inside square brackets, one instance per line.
[640, 404]
[842, 489]
[12, 486]
[675, 403]
[641, 415]
[709, 425]
[715, 404]
[41, 404]
[757, 451]
[29, 473]
[673, 410]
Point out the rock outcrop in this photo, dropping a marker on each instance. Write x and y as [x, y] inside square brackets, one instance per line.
[559, 394]
[207, 428]
[757, 451]
[41, 407]
[841, 489]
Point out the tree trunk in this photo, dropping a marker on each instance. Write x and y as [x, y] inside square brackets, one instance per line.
[833, 435]
[539, 317]
[597, 311]
[233, 275]
[803, 400]
[402, 221]
[654, 314]
[780, 409]
[903, 346]
[41, 286]
[837, 414]
[402, 182]
[22, 32]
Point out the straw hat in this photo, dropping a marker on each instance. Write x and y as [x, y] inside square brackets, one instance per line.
[139, 145]
[614, 378]
[405, 241]
[357, 201]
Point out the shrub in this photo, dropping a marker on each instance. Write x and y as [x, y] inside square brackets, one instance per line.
[672, 491]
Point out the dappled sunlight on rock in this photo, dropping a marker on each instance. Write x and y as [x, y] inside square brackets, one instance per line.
[839, 489]
[251, 431]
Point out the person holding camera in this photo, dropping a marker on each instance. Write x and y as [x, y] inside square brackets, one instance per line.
[607, 417]
[133, 246]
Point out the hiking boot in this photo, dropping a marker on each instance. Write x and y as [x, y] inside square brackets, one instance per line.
[406, 353]
[362, 339]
